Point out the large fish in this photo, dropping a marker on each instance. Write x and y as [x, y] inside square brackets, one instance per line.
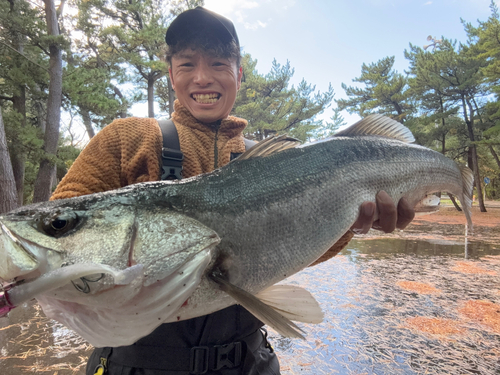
[113, 266]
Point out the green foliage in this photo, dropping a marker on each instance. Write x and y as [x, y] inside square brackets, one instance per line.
[113, 52]
[28, 139]
[271, 106]
[329, 128]
[92, 90]
[486, 40]
[384, 91]
[128, 37]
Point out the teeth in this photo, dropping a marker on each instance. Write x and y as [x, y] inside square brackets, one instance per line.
[206, 98]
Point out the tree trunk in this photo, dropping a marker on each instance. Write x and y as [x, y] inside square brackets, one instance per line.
[454, 201]
[18, 160]
[118, 93]
[8, 194]
[151, 97]
[41, 115]
[443, 124]
[494, 154]
[469, 120]
[171, 97]
[18, 151]
[45, 177]
[87, 121]
[19, 105]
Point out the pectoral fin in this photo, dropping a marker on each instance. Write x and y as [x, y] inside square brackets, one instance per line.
[273, 308]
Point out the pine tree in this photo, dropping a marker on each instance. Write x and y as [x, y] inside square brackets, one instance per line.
[8, 196]
[46, 173]
[485, 40]
[132, 33]
[452, 75]
[271, 106]
[385, 91]
[23, 70]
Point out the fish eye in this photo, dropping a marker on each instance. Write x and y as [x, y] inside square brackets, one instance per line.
[58, 225]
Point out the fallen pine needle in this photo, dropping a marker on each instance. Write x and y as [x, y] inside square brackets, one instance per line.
[484, 312]
[436, 326]
[468, 267]
[420, 288]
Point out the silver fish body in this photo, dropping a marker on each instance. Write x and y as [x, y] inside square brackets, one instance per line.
[249, 225]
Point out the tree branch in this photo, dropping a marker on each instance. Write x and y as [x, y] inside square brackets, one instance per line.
[27, 58]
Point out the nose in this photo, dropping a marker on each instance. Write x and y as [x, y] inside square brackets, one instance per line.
[203, 75]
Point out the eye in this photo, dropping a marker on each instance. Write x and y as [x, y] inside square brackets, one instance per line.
[59, 225]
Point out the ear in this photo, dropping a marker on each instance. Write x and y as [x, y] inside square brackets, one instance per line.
[240, 75]
[171, 78]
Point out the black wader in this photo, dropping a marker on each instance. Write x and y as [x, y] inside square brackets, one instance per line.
[227, 342]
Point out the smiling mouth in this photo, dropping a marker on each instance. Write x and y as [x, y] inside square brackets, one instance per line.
[206, 98]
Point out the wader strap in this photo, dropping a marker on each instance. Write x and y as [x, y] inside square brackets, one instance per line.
[171, 155]
[196, 360]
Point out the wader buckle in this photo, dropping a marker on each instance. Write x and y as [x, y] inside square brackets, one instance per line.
[198, 361]
[222, 355]
[172, 164]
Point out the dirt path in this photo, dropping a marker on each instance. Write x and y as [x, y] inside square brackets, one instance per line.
[448, 224]
[449, 215]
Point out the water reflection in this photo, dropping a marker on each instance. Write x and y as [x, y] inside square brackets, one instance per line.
[366, 328]
[31, 343]
[368, 313]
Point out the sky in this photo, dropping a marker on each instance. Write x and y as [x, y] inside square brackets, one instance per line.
[327, 41]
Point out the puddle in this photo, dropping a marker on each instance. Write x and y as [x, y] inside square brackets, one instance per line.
[392, 306]
[395, 306]
[32, 343]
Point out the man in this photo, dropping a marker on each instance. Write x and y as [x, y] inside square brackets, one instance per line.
[204, 59]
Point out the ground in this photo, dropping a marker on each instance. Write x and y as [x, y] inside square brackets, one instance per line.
[449, 215]
[448, 224]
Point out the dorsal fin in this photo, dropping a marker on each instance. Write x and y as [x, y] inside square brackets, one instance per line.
[270, 146]
[378, 125]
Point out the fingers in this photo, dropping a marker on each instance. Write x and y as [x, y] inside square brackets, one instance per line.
[406, 213]
[387, 213]
[365, 218]
[389, 217]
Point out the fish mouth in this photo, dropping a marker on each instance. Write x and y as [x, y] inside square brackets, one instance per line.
[206, 98]
[18, 256]
[13, 294]
[28, 269]
[21, 262]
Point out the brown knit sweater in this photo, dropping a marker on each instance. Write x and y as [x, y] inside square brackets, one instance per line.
[127, 151]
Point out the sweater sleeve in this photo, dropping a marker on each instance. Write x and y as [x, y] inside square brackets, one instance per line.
[335, 249]
[125, 152]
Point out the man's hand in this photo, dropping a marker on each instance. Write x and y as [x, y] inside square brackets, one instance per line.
[389, 217]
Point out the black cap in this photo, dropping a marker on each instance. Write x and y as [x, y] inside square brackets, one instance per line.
[200, 19]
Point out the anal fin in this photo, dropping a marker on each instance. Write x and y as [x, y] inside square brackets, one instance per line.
[292, 301]
[276, 308]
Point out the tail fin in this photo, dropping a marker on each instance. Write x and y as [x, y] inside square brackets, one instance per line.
[466, 198]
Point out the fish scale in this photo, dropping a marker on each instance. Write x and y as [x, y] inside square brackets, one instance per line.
[191, 247]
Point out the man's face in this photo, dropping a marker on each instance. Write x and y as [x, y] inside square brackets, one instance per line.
[204, 84]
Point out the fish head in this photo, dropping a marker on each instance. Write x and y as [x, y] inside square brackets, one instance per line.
[27, 246]
[38, 239]
[94, 243]
[96, 265]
